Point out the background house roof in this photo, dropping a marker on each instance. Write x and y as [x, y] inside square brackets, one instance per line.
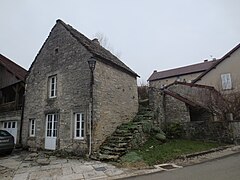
[218, 62]
[14, 68]
[97, 50]
[195, 68]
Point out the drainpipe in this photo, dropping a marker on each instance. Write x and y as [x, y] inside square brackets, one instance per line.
[91, 63]
[22, 116]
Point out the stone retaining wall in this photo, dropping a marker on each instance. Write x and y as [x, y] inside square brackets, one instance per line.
[210, 131]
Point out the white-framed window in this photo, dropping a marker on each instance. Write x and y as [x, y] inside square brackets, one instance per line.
[79, 126]
[51, 124]
[226, 81]
[32, 127]
[52, 86]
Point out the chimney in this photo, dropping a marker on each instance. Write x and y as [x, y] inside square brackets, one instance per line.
[95, 40]
[205, 60]
[155, 71]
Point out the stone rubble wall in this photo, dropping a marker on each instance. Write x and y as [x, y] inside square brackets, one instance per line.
[166, 108]
[115, 101]
[209, 131]
[235, 127]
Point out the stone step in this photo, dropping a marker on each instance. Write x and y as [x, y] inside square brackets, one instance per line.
[122, 131]
[108, 157]
[113, 148]
[107, 152]
[118, 145]
[119, 142]
[117, 139]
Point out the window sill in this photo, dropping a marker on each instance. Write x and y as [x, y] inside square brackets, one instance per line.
[79, 139]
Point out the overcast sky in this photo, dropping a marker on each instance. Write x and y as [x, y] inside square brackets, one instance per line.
[148, 34]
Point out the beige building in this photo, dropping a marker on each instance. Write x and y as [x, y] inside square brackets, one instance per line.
[225, 74]
[160, 79]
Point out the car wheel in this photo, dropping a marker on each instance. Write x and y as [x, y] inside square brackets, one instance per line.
[9, 152]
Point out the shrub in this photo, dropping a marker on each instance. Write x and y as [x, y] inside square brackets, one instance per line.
[174, 131]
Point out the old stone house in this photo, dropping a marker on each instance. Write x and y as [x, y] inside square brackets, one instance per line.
[61, 94]
[12, 85]
[160, 79]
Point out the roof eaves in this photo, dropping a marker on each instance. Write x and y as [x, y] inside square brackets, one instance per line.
[21, 76]
[217, 63]
[108, 61]
[180, 74]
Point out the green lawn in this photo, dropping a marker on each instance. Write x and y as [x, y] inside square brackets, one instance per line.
[152, 152]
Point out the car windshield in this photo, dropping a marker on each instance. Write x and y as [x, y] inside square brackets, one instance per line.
[4, 133]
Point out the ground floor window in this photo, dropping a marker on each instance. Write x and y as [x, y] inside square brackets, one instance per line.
[51, 125]
[79, 126]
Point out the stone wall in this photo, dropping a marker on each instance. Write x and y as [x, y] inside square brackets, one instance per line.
[209, 131]
[176, 110]
[196, 93]
[115, 100]
[235, 128]
[167, 109]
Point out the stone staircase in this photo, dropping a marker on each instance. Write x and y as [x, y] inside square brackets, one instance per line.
[126, 136]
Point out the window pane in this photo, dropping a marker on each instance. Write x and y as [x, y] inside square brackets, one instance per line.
[5, 125]
[77, 133]
[13, 124]
[52, 86]
[54, 133]
[9, 124]
[78, 125]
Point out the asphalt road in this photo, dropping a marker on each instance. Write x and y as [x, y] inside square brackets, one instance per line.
[226, 168]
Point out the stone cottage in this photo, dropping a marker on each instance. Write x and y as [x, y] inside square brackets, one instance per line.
[12, 85]
[70, 107]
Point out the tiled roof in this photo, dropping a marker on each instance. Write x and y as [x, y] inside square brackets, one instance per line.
[97, 50]
[195, 68]
[12, 67]
[218, 62]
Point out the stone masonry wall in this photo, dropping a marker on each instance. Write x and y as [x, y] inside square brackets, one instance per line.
[156, 103]
[176, 111]
[63, 56]
[115, 101]
[209, 131]
[166, 108]
[235, 127]
[199, 94]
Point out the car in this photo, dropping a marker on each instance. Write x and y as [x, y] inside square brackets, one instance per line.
[6, 142]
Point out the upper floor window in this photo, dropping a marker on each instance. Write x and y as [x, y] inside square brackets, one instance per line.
[52, 86]
[32, 127]
[79, 126]
[226, 81]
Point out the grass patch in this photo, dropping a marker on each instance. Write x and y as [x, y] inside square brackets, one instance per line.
[152, 152]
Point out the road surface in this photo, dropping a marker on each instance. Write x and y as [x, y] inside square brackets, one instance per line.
[226, 168]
